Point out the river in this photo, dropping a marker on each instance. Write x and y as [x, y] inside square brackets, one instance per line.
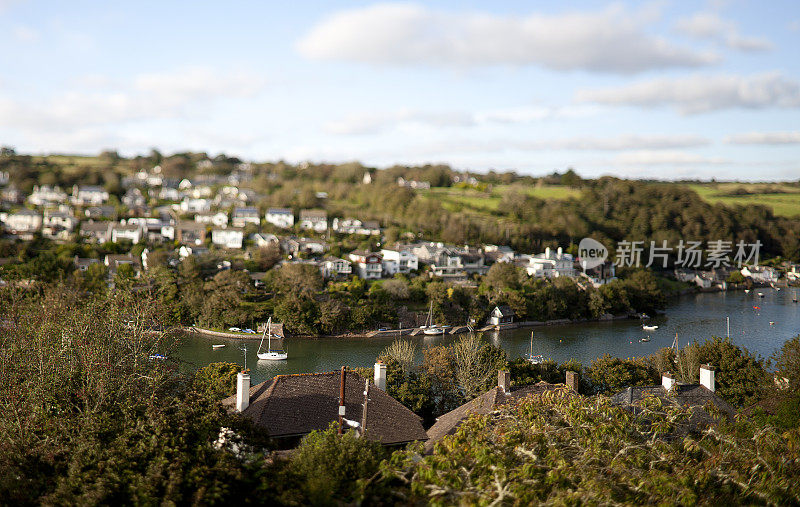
[693, 317]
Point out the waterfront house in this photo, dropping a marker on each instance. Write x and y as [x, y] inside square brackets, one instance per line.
[399, 260]
[280, 217]
[96, 232]
[190, 233]
[335, 268]
[670, 392]
[501, 315]
[245, 216]
[551, 264]
[218, 219]
[228, 237]
[368, 265]
[314, 219]
[89, 195]
[761, 274]
[602, 274]
[454, 263]
[489, 401]
[289, 407]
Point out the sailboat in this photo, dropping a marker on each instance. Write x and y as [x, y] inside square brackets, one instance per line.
[430, 328]
[273, 353]
[649, 328]
[534, 359]
[794, 297]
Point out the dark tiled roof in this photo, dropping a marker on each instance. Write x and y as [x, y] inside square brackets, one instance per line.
[292, 405]
[687, 395]
[483, 404]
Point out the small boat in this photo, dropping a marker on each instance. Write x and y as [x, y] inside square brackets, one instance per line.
[747, 291]
[649, 328]
[272, 353]
[218, 346]
[772, 323]
[429, 328]
[761, 294]
[160, 357]
[645, 339]
[534, 359]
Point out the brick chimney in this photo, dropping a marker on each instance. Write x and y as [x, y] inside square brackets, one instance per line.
[380, 375]
[242, 391]
[707, 377]
[573, 380]
[667, 380]
[504, 380]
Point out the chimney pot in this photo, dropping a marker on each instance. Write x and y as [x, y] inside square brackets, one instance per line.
[504, 380]
[667, 381]
[242, 391]
[573, 380]
[380, 375]
[707, 377]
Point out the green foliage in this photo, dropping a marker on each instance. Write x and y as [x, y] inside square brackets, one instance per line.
[331, 469]
[739, 376]
[216, 380]
[557, 448]
[612, 374]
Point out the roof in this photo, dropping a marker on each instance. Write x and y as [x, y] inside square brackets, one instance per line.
[293, 405]
[245, 211]
[95, 226]
[279, 211]
[686, 395]
[505, 310]
[486, 403]
[313, 213]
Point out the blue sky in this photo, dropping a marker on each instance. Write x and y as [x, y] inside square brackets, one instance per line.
[648, 90]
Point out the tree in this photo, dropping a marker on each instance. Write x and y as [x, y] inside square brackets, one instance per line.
[476, 364]
[295, 278]
[216, 380]
[612, 374]
[739, 377]
[223, 300]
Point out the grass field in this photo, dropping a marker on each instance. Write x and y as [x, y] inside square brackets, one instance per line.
[784, 199]
[460, 199]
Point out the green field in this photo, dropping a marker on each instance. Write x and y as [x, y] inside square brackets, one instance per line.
[459, 199]
[783, 198]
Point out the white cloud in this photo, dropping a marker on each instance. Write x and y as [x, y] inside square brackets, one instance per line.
[650, 157]
[374, 123]
[765, 138]
[698, 94]
[150, 97]
[625, 142]
[610, 40]
[24, 33]
[709, 25]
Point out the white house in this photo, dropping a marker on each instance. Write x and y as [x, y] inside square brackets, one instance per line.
[98, 232]
[186, 251]
[133, 233]
[262, 240]
[314, 219]
[58, 224]
[45, 195]
[169, 194]
[761, 274]
[90, 195]
[244, 216]
[551, 264]
[280, 217]
[218, 219]
[23, 221]
[501, 315]
[230, 237]
[195, 205]
[368, 265]
[354, 226]
[399, 261]
[332, 267]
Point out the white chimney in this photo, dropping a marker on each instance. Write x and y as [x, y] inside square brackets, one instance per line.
[707, 377]
[667, 381]
[547, 253]
[504, 380]
[242, 391]
[380, 375]
[560, 252]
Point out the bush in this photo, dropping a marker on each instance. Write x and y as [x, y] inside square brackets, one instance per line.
[216, 380]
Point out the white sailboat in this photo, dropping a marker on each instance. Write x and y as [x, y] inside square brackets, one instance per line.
[538, 359]
[272, 354]
[430, 328]
[649, 328]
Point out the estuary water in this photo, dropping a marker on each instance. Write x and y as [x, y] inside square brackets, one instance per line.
[692, 317]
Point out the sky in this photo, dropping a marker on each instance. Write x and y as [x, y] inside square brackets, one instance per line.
[662, 89]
